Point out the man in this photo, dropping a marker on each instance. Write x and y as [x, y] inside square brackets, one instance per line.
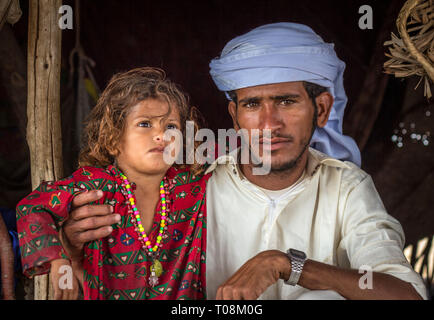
[304, 230]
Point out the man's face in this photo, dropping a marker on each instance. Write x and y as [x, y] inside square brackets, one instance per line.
[285, 109]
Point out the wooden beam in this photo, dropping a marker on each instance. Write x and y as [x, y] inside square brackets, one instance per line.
[43, 102]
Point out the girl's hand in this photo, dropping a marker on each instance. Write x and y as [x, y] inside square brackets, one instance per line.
[65, 284]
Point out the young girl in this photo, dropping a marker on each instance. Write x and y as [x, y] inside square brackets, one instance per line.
[157, 250]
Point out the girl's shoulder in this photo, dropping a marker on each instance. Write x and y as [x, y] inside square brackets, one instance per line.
[85, 175]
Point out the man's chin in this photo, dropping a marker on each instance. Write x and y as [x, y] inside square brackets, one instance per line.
[278, 166]
[283, 166]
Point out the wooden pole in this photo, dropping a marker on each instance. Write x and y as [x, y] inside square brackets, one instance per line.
[43, 102]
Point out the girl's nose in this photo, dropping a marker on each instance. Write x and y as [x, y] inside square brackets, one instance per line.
[158, 137]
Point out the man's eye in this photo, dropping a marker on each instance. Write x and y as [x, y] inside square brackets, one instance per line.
[145, 124]
[251, 104]
[287, 102]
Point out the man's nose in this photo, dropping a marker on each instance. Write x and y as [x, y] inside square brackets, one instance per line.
[270, 118]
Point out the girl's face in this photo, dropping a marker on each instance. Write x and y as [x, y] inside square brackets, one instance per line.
[141, 146]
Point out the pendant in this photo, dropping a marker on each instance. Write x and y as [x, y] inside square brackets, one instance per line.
[156, 271]
[153, 280]
[157, 268]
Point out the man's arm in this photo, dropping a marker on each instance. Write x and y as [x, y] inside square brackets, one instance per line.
[266, 268]
[321, 276]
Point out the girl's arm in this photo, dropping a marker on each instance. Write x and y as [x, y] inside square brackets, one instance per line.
[39, 216]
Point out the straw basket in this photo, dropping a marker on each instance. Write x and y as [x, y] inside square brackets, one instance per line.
[413, 53]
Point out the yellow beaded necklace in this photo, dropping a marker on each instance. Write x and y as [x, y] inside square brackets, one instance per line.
[152, 251]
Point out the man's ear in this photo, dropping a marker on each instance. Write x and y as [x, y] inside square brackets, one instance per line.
[324, 104]
[232, 108]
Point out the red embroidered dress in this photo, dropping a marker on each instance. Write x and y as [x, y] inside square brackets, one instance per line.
[116, 267]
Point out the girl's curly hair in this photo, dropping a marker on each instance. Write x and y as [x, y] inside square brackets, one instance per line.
[106, 122]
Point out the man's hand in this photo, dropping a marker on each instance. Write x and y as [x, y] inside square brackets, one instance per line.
[57, 279]
[86, 223]
[255, 276]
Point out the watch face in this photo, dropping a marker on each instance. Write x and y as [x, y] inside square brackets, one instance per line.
[297, 254]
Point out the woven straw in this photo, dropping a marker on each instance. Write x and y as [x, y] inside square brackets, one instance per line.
[413, 53]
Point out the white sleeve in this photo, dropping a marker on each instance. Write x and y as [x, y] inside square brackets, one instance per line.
[373, 238]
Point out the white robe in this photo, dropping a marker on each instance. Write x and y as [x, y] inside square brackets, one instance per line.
[334, 214]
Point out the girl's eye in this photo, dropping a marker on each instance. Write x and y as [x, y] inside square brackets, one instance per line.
[172, 126]
[145, 124]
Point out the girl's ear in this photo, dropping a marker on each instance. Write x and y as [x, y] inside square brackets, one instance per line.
[324, 104]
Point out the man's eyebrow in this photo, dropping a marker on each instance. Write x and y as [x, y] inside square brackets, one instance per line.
[278, 97]
[250, 99]
[285, 96]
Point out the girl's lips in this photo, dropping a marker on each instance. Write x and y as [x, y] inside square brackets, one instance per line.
[158, 149]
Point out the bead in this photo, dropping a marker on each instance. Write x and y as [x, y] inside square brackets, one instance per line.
[135, 218]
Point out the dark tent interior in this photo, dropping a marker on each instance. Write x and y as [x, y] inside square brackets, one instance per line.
[390, 120]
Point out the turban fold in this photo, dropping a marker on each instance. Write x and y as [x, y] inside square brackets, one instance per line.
[285, 52]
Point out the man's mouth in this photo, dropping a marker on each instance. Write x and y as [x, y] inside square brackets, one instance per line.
[274, 143]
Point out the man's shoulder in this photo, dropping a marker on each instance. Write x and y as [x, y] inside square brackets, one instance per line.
[349, 173]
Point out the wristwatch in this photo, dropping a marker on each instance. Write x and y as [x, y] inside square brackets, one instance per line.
[297, 259]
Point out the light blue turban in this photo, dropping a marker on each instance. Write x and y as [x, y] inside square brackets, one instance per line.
[284, 52]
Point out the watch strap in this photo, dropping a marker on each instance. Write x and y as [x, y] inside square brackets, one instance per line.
[296, 269]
